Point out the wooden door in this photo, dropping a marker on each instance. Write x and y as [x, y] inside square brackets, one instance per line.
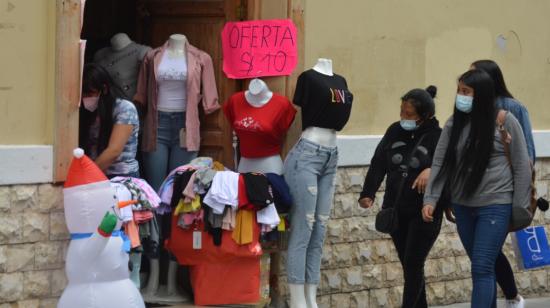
[201, 21]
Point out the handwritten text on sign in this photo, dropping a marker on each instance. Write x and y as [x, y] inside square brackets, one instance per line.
[259, 48]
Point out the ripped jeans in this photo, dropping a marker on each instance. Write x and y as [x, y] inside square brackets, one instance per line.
[309, 170]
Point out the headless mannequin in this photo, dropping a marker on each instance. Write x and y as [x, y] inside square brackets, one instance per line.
[176, 45]
[322, 136]
[306, 295]
[176, 48]
[257, 95]
[119, 41]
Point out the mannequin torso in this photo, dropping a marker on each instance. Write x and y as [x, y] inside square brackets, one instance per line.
[322, 136]
[176, 45]
[172, 76]
[119, 41]
[257, 95]
[122, 60]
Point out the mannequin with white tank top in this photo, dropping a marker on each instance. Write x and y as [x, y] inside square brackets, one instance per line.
[172, 97]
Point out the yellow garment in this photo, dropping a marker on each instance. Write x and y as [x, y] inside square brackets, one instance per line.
[244, 228]
[282, 225]
[218, 166]
[188, 207]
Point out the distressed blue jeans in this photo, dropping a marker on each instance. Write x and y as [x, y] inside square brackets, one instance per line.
[168, 154]
[310, 171]
[482, 231]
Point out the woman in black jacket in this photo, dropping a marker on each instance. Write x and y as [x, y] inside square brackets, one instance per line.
[407, 173]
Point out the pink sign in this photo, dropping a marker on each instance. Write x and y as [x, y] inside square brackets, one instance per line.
[259, 48]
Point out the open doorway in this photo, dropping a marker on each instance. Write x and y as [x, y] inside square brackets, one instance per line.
[150, 23]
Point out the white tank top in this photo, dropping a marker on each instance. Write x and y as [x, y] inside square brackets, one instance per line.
[172, 84]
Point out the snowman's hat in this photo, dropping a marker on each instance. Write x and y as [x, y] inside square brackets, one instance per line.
[83, 171]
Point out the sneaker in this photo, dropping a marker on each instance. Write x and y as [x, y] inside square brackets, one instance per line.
[519, 302]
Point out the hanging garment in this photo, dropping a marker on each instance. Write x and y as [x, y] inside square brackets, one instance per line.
[188, 207]
[281, 192]
[268, 216]
[224, 191]
[257, 190]
[141, 217]
[243, 232]
[229, 220]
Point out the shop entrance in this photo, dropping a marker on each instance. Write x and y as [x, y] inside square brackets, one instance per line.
[151, 22]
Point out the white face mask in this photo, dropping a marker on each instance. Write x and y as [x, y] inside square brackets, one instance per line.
[90, 103]
[408, 125]
[464, 103]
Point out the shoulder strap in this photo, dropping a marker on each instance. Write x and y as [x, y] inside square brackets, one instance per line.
[504, 135]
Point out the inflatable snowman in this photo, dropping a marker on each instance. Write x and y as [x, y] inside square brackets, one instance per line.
[96, 263]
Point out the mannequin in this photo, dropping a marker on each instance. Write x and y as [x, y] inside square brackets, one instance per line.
[322, 136]
[171, 134]
[258, 95]
[122, 60]
[119, 41]
[176, 45]
[310, 170]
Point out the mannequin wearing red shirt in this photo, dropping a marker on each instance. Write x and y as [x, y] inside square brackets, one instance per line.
[260, 119]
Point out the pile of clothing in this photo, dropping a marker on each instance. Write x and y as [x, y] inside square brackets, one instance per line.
[205, 193]
[140, 223]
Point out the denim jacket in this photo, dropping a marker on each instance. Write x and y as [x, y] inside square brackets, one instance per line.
[520, 112]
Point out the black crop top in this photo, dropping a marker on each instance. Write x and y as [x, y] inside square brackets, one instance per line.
[325, 100]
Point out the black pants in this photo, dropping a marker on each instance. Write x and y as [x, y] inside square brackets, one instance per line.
[414, 240]
[505, 277]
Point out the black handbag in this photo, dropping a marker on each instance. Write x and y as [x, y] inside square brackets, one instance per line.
[387, 220]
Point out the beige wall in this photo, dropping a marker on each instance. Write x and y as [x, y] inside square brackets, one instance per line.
[27, 29]
[386, 47]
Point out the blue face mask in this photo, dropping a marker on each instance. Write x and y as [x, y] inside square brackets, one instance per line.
[464, 103]
[408, 125]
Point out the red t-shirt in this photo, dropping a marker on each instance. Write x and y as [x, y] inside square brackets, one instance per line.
[260, 129]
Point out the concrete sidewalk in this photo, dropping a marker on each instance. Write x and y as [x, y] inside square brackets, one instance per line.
[529, 303]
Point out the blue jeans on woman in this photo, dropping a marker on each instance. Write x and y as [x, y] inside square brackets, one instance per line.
[309, 171]
[482, 231]
[168, 154]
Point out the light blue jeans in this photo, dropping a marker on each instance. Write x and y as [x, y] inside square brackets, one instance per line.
[309, 170]
[482, 231]
[168, 154]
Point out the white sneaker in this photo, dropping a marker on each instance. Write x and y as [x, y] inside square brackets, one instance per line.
[519, 302]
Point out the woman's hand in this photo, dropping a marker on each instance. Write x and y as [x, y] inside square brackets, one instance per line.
[422, 181]
[366, 202]
[450, 215]
[428, 213]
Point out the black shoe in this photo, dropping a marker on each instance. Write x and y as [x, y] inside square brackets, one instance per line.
[542, 204]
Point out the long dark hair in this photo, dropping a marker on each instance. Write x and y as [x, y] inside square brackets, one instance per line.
[475, 158]
[96, 78]
[492, 68]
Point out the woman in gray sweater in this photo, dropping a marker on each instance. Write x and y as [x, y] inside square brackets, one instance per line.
[470, 159]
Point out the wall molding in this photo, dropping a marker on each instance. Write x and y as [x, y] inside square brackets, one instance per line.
[26, 164]
[357, 150]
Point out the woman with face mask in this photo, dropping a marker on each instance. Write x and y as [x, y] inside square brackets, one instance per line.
[109, 125]
[404, 157]
[472, 160]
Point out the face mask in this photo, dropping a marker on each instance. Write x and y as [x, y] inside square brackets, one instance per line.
[90, 103]
[464, 103]
[408, 125]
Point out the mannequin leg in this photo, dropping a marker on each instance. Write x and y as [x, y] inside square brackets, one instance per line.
[173, 294]
[297, 295]
[153, 281]
[311, 295]
[135, 257]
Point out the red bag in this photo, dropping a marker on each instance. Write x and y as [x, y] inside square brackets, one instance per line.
[181, 245]
[236, 281]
